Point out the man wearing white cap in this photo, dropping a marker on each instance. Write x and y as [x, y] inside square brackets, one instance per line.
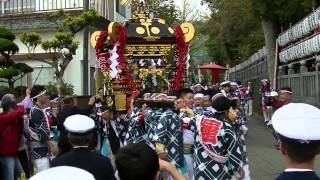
[297, 125]
[198, 88]
[198, 104]
[80, 135]
[225, 88]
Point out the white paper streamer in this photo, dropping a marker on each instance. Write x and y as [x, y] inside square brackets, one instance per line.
[154, 80]
[159, 62]
[141, 62]
[114, 61]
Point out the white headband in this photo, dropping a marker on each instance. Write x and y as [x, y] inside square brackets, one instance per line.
[100, 114]
[159, 95]
[55, 99]
[286, 91]
[40, 94]
[216, 95]
[198, 95]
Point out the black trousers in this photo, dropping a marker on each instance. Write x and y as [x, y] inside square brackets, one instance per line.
[24, 161]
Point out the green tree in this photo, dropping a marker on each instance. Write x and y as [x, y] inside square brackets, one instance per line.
[276, 15]
[10, 71]
[164, 9]
[7, 46]
[31, 40]
[234, 31]
[63, 46]
[248, 23]
[16, 71]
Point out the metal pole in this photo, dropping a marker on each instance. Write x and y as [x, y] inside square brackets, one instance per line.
[85, 61]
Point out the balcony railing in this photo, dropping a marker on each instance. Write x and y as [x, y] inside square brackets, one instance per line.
[11, 7]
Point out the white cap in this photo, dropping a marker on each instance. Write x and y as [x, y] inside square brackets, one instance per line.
[160, 95]
[198, 85]
[63, 173]
[225, 83]
[198, 95]
[234, 84]
[216, 96]
[171, 98]
[79, 124]
[297, 121]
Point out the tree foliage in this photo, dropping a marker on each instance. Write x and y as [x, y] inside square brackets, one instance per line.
[63, 46]
[7, 46]
[66, 89]
[31, 40]
[16, 71]
[10, 71]
[164, 9]
[234, 31]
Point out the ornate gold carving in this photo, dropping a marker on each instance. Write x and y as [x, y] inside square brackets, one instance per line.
[94, 38]
[109, 101]
[155, 30]
[161, 21]
[142, 20]
[121, 101]
[140, 30]
[146, 25]
[188, 31]
[148, 49]
[170, 30]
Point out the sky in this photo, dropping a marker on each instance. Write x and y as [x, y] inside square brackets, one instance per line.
[198, 7]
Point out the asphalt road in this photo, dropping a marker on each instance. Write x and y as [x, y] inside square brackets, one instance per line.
[265, 160]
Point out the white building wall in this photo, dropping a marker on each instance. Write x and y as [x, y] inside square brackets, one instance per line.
[73, 73]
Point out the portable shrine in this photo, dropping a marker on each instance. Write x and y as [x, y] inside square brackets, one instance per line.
[145, 53]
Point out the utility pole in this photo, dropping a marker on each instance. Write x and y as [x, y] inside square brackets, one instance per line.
[85, 61]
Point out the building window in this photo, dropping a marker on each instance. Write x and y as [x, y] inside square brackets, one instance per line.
[42, 75]
[25, 6]
[121, 9]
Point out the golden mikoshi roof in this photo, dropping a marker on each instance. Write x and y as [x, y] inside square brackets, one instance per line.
[149, 30]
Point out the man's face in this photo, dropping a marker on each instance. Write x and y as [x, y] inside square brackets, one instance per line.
[146, 97]
[188, 100]
[227, 88]
[55, 104]
[206, 101]
[198, 89]
[179, 104]
[107, 115]
[44, 100]
[232, 115]
[284, 96]
[265, 83]
[233, 88]
[198, 101]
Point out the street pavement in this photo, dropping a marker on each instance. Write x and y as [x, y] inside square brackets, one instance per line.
[265, 160]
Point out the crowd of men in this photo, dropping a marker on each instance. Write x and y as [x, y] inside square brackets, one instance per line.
[196, 133]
